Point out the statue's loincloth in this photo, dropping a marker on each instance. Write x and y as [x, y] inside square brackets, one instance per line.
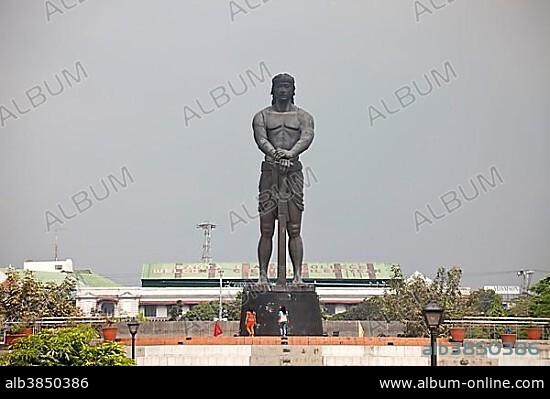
[267, 199]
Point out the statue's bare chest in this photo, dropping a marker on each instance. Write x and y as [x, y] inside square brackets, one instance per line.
[278, 122]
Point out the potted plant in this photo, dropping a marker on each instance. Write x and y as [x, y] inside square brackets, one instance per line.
[508, 338]
[457, 310]
[109, 329]
[457, 332]
[15, 331]
[534, 332]
[106, 325]
[525, 306]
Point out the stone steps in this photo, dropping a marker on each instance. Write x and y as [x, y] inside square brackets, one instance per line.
[286, 355]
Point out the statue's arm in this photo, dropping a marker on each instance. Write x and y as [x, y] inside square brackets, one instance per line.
[307, 134]
[260, 135]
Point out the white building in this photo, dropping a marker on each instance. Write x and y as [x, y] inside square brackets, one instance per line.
[49, 266]
[156, 301]
[164, 284]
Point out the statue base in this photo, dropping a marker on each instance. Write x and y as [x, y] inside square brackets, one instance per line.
[300, 300]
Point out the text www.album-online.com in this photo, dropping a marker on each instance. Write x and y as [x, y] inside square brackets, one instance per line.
[481, 383]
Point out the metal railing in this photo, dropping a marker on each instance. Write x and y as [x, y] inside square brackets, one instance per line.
[539, 321]
[493, 326]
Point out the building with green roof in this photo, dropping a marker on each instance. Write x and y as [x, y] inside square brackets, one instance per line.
[338, 274]
[86, 278]
[338, 284]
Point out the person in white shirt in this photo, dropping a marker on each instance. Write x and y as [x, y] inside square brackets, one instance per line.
[282, 319]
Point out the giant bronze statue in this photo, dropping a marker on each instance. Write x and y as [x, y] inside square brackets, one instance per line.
[282, 132]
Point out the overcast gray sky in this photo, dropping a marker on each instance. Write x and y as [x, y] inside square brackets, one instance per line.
[160, 95]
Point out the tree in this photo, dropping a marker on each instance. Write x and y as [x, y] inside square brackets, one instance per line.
[325, 315]
[369, 309]
[231, 310]
[535, 303]
[69, 346]
[23, 299]
[175, 312]
[203, 311]
[520, 306]
[60, 299]
[405, 299]
[485, 303]
[540, 304]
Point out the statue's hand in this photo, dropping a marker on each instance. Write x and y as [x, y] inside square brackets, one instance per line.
[282, 154]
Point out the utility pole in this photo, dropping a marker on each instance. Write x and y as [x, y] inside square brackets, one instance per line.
[207, 227]
[221, 284]
[55, 245]
[526, 274]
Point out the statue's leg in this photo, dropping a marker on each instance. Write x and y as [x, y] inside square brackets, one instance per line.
[295, 184]
[265, 246]
[267, 209]
[295, 245]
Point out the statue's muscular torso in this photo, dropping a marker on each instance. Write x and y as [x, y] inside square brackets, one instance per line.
[291, 130]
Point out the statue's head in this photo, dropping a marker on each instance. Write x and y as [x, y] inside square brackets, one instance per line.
[283, 85]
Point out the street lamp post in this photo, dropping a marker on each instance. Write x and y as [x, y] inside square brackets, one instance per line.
[433, 314]
[221, 309]
[133, 327]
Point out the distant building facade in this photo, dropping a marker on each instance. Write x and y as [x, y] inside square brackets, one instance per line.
[507, 293]
[338, 285]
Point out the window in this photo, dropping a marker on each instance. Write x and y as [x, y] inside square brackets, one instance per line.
[58, 267]
[331, 308]
[107, 308]
[150, 310]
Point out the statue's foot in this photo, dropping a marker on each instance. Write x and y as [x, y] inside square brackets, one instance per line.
[262, 280]
[297, 281]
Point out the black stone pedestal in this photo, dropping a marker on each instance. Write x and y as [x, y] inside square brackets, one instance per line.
[300, 300]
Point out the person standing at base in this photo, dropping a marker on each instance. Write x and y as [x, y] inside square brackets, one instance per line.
[250, 321]
[282, 320]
